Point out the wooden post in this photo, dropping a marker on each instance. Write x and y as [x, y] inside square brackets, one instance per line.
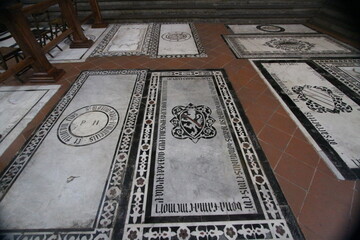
[16, 22]
[79, 39]
[98, 21]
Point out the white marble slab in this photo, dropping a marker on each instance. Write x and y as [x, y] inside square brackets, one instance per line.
[19, 105]
[269, 28]
[66, 182]
[125, 39]
[76, 54]
[176, 40]
[332, 114]
[214, 169]
[288, 46]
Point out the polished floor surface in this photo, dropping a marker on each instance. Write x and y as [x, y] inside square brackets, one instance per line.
[325, 207]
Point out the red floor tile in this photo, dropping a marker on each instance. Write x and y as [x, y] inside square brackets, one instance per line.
[295, 171]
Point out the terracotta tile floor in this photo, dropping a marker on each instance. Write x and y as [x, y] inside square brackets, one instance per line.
[325, 207]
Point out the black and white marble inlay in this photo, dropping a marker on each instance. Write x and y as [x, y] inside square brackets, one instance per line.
[347, 71]
[136, 154]
[54, 190]
[269, 28]
[288, 46]
[217, 188]
[176, 40]
[325, 107]
[157, 40]
[88, 125]
[125, 40]
[193, 122]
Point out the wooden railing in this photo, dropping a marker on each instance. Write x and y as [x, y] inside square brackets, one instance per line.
[14, 16]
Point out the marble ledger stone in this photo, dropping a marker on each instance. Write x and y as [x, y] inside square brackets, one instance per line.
[288, 46]
[125, 39]
[328, 115]
[270, 28]
[198, 169]
[175, 40]
[64, 183]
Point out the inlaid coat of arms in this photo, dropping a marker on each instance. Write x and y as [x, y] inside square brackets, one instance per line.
[321, 99]
[193, 122]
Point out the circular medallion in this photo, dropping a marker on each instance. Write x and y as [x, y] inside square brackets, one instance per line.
[270, 28]
[290, 44]
[176, 36]
[88, 125]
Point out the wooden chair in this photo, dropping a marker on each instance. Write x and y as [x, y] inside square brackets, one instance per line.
[9, 52]
[42, 28]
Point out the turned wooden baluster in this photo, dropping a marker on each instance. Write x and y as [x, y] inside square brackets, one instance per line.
[79, 39]
[98, 21]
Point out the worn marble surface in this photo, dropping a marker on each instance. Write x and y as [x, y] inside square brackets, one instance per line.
[332, 113]
[269, 28]
[288, 46]
[176, 40]
[210, 167]
[19, 105]
[64, 184]
[125, 39]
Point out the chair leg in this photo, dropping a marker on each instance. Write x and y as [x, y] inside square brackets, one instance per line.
[50, 54]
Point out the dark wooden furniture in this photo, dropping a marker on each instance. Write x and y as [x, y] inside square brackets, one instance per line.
[13, 15]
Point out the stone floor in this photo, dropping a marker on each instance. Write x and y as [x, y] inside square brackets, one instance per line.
[325, 208]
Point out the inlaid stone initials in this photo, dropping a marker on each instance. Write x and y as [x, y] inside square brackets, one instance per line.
[88, 125]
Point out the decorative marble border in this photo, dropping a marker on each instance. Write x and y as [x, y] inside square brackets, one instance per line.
[99, 50]
[154, 45]
[332, 66]
[241, 52]
[103, 227]
[277, 220]
[323, 147]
